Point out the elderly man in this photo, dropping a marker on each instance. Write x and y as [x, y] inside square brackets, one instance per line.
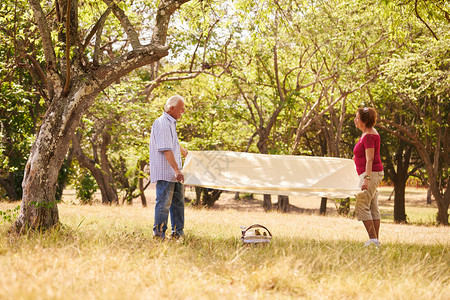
[165, 165]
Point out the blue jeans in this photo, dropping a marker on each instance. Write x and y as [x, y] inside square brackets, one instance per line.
[169, 198]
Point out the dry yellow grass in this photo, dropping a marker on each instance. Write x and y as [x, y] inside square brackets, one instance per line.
[108, 253]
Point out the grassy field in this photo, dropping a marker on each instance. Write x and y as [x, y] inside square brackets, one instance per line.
[108, 253]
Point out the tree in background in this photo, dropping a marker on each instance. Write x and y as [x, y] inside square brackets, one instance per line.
[420, 112]
[400, 162]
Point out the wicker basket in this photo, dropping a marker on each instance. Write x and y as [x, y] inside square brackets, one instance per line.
[255, 234]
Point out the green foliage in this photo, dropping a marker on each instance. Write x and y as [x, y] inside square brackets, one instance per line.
[211, 121]
[85, 188]
[42, 204]
[419, 80]
[18, 117]
[9, 215]
[20, 107]
[84, 184]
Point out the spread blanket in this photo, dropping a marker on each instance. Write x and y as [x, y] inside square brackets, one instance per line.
[272, 174]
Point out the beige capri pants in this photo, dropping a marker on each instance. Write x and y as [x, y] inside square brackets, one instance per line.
[366, 207]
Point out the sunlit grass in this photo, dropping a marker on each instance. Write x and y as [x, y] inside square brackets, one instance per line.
[415, 215]
[108, 253]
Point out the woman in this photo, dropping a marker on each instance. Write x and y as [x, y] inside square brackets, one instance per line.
[370, 170]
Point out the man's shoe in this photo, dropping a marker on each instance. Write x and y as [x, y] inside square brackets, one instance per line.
[176, 237]
[159, 238]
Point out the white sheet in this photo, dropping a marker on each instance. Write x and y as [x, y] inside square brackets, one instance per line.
[272, 174]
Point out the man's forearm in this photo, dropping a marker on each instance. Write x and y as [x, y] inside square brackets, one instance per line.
[171, 159]
[183, 151]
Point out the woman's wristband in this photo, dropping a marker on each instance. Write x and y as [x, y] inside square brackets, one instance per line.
[367, 177]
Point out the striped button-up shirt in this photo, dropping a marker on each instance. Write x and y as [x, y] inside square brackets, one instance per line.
[162, 138]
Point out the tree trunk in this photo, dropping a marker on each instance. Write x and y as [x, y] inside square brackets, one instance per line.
[120, 175]
[403, 158]
[399, 201]
[8, 185]
[442, 200]
[210, 197]
[107, 190]
[267, 202]
[198, 196]
[443, 204]
[429, 195]
[63, 175]
[397, 169]
[283, 203]
[432, 164]
[39, 209]
[344, 207]
[323, 206]
[142, 165]
[106, 170]
[206, 197]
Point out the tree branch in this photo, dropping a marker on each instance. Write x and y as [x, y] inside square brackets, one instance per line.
[67, 85]
[161, 78]
[301, 129]
[106, 74]
[165, 10]
[95, 29]
[363, 53]
[98, 38]
[54, 83]
[248, 104]
[49, 52]
[193, 74]
[207, 40]
[195, 52]
[82, 158]
[420, 18]
[410, 137]
[126, 24]
[38, 68]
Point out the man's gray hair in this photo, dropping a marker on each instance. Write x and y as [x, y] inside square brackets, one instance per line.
[172, 101]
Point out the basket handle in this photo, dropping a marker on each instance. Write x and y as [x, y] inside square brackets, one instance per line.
[256, 226]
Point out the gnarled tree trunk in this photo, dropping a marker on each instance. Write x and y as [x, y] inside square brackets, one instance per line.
[39, 209]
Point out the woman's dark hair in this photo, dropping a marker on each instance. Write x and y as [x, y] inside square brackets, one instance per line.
[368, 116]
